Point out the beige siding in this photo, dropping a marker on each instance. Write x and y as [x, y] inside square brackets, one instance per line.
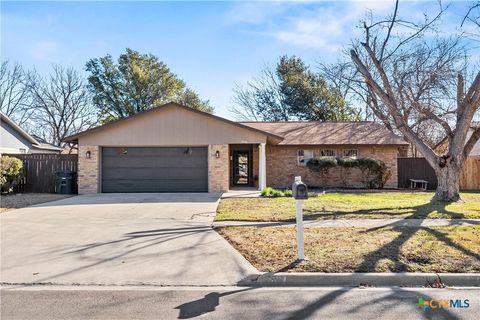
[171, 127]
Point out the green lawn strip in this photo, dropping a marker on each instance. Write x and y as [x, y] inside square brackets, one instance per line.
[439, 249]
[415, 205]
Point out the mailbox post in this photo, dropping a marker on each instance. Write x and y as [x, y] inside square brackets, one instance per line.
[300, 193]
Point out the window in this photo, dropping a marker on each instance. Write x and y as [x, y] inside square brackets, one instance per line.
[352, 153]
[328, 153]
[303, 156]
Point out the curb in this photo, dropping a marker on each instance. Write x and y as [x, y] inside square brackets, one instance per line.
[437, 280]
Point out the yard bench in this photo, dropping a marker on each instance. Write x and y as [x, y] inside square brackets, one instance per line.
[414, 182]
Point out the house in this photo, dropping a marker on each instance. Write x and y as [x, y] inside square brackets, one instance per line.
[173, 148]
[15, 140]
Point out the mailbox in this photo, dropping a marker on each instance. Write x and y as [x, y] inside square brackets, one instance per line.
[299, 190]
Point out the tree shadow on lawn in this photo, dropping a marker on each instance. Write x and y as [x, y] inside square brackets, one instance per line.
[392, 249]
[411, 212]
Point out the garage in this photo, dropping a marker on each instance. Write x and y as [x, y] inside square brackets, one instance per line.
[154, 169]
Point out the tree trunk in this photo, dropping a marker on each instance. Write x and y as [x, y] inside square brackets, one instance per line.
[448, 183]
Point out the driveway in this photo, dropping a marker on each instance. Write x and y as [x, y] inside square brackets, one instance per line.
[119, 239]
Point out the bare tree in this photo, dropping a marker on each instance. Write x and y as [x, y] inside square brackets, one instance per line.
[14, 94]
[62, 105]
[411, 74]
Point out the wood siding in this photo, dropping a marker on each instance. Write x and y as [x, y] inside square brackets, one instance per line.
[171, 127]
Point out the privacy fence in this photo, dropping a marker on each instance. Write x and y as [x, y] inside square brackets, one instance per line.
[39, 170]
[418, 168]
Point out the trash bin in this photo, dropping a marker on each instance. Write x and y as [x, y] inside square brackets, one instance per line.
[64, 182]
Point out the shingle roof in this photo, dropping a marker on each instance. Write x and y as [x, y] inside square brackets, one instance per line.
[329, 133]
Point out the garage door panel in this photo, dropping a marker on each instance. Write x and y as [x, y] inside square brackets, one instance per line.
[158, 162]
[162, 169]
[154, 186]
[125, 173]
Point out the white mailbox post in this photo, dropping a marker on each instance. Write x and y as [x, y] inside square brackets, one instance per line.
[300, 193]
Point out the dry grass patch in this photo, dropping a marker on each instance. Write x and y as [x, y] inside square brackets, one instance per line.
[21, 200]
[441, 249]
[415, 205]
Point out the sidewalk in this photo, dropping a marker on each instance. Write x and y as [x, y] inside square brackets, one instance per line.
[356, 223]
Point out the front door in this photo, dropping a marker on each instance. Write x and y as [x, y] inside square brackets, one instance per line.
[241, 168]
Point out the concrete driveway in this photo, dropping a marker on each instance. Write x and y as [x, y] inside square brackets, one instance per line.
[119, 239]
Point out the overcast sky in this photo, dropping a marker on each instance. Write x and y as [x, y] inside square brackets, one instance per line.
[211, 45]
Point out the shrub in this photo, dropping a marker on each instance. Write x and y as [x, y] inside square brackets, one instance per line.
[10, 172]
[347, 162]
[269, 192]
[322, 164]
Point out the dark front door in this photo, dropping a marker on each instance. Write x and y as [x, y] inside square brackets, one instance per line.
[241, 168]
[164, 169]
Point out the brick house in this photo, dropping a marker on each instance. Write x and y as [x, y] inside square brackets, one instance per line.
[173, 148]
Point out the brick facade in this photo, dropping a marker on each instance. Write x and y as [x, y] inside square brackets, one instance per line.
[218, 168]
[282, 167]
[88, 169]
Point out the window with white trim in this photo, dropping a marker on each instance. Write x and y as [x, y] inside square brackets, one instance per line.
[352, 153]
[303, 156]
[328, 153]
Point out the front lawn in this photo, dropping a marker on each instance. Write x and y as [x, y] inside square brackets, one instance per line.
[441, 249]
[414, 205]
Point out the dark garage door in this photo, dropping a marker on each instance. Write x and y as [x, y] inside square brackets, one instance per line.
[179, 169]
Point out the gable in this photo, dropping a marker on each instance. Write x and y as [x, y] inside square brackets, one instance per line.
[171, 125]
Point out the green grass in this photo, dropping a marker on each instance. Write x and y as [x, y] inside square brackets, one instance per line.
[440, 249]
[414, 205]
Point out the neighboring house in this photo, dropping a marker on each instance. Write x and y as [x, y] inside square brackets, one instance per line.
[15, 140]
[173, 148]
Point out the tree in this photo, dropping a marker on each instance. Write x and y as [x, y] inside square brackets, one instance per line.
[62, 104]
[136, 83]
[291, 92]
[411, 75]
[14, 94]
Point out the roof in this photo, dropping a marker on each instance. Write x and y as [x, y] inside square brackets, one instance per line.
[36, 142]
[74, 138]
[329, 133]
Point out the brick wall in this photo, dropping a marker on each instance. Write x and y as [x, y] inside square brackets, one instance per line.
[88, 169]
[255, 165]
[218, 173]
[282, 167]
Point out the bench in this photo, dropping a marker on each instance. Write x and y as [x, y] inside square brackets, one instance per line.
[423, 184]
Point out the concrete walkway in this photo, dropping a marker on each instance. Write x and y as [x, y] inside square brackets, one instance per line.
[357, 223]
[119, 239]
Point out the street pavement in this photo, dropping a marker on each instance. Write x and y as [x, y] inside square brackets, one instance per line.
[119, 303]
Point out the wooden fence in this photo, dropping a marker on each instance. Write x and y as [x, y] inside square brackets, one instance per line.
[415, 168]
[470, 175]
[418, 168]
[39, 170]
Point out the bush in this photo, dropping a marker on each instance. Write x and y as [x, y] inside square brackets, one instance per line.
[347, 162]
[322, 163]
[10, 172]
[269, 192]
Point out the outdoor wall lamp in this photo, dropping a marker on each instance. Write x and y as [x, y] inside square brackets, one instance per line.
[88, 154]
[217, 154]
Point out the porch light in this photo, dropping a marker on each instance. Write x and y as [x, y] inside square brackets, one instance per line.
[88, 154]
[217, 154]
